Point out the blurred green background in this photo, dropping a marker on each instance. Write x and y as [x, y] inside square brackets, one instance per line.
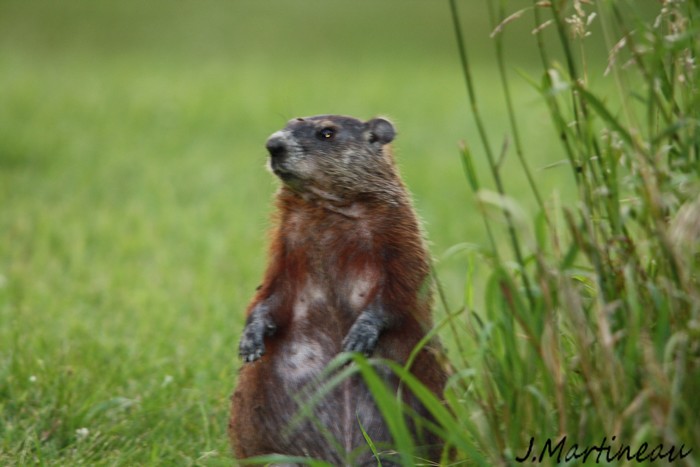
[134, 199]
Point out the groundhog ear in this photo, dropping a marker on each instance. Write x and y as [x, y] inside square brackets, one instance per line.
[381, 131]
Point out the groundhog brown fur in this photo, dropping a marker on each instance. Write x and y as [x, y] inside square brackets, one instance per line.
[348, 271]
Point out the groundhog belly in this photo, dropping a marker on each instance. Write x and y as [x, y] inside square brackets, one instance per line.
[293, 373]
[320, 320]
[305, 350]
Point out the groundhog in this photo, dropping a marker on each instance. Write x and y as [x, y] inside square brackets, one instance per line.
[348, 271]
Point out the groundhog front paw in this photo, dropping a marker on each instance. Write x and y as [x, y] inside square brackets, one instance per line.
[362, 337]
[252, 345]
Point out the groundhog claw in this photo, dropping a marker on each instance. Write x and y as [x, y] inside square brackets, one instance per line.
[255, 356]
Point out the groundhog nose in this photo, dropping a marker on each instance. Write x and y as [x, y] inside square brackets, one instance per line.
[276, 146]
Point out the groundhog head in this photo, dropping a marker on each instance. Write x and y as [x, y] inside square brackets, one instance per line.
[336, 155]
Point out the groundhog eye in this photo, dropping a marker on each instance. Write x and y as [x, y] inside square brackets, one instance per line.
[326, 133]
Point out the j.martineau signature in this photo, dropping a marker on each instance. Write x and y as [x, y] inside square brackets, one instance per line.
[606, 451]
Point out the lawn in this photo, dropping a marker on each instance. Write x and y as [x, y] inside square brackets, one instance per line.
[134, 199]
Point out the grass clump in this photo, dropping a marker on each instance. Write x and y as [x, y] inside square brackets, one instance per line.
[590, 330]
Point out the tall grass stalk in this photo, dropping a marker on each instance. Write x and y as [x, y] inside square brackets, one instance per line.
[493, 164]
[501, 18]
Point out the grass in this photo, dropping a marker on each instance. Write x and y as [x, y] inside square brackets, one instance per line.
[133, 202]
[590, 333]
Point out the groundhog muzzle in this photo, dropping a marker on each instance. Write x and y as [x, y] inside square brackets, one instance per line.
[347, 271]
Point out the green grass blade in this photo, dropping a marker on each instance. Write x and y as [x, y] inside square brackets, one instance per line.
[369, 441]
